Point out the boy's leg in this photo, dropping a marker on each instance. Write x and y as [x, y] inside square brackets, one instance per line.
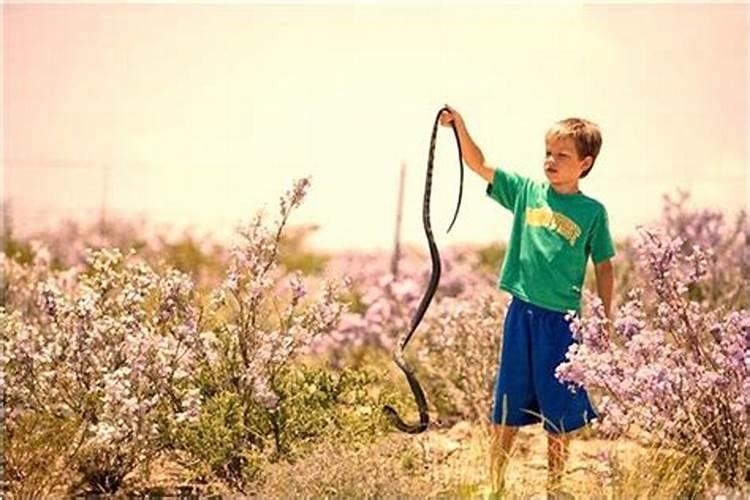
[514, 396]
[515, 402]
[558, 446]
[564, 411]
[501, 444]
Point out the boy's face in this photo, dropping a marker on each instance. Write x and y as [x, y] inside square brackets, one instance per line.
[561, 162]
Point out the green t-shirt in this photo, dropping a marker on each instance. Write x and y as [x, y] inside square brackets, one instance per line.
[552, 237]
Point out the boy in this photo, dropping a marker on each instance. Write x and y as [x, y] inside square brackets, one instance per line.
[555, 229]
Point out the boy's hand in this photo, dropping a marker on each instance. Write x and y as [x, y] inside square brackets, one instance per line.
[472, 155]
[448, 118]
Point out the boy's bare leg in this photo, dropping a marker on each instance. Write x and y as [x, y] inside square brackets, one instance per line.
[501, 442]
[557, 454]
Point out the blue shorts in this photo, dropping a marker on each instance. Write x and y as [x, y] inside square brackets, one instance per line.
[535, 340]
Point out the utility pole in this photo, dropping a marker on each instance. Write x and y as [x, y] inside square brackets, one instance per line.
[397, 237]
[103, 207]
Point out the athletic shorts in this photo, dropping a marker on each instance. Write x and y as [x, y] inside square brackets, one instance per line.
[535, 340]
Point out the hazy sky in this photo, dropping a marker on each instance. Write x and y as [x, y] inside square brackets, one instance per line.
[204, 114]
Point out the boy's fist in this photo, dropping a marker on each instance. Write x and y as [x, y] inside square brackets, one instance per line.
[450, 117]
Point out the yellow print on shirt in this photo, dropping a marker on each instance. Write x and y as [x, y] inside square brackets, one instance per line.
[555, 221]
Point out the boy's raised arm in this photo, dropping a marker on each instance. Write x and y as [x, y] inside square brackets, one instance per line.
[472, 154]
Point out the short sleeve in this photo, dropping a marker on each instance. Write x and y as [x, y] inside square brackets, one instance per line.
[505, 187]
[602, 247]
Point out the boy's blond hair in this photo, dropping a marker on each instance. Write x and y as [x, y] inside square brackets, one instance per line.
[585, 134]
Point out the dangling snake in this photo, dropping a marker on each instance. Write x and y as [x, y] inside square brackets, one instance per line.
[398, 355]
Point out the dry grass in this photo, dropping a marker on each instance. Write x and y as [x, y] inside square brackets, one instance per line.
[453, 463]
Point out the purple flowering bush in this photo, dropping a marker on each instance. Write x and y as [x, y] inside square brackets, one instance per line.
[669, 365]
[69, 242]
[725, 281]
[458, 353]
[724, 240]
[262, 402]
[456, 346]
[103, 356]
[239, 359]
[112, 361]
[256, 331]
[383, 302]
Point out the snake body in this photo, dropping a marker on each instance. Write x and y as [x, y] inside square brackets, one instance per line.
[398, 355]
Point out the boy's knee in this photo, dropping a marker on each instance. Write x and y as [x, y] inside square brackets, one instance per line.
[503, 434]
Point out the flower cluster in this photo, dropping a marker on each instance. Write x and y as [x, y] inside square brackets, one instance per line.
[122, 351]
[386, 302]
[249, 300]
[111, 349]
[459, 353]
[675, 368]
[723, 258]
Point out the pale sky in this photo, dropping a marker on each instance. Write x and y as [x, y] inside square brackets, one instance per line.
[204, 114]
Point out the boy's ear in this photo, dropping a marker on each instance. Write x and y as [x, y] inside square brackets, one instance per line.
[587, 163]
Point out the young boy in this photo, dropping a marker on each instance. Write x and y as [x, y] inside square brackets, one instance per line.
[555, 229]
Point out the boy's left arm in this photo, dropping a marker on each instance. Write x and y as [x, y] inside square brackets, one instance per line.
[605, 283]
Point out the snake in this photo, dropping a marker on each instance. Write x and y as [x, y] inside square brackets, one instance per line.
[398, 353]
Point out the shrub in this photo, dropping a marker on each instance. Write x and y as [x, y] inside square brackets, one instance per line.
[679, 374]
[108, 350]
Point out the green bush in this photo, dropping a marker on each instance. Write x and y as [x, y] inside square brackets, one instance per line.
[234, 437]
[39, 464]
